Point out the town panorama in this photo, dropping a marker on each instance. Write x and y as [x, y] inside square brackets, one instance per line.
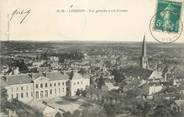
[91, 79]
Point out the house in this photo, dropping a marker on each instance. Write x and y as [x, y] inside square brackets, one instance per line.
[2, 114]
[77, 82]
[155, 89]
[110, 86]
[45, 110]
[180, 104]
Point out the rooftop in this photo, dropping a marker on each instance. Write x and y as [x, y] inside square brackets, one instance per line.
[28, 78]
[137, 72]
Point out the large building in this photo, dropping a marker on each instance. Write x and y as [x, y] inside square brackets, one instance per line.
[27, 87]
[144, 73]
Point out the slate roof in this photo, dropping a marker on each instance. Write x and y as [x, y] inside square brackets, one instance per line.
[56, 76]
[137, 72]
[26, 78]
[17, 79]
[79, 76]
[2, 82]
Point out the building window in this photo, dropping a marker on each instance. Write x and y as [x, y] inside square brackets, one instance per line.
[59, 90]
[31, 94]
[27, 95]
[54, 84]
[50, 91]
[63, 83]
[55, 91]
[17, 95]
[45, 84]
[59, 84]
[37, 94]
[78, 82]
[41, 85]
[21, 88]
[17, 88]
[22, 95]
[74, 83]
[63, 89]
[46, 93]
[36, 85]
[50, 84]
[11, 96]
[41, 94]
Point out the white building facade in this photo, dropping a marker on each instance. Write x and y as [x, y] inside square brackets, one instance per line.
[26, 87]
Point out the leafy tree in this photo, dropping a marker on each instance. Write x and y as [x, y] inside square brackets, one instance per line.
[58, 114]
[23, 67]
[44, 56]
[118, 75]
[23, 110]
[162, 111]
[3, 99]
[101, 82]
[110, 110]
[78, 92]
[83, 71]
[77, 113]
[67, 114]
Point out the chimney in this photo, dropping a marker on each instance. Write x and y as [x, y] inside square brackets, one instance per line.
[30, 75]
[165, 76]
[71, 74]
[62, 72]
[44, 74]
[4, 78]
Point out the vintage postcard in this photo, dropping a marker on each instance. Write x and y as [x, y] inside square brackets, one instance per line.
[91, 58]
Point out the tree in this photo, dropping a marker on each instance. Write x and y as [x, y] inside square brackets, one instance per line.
[58, 114]
[77, 113]
[23, 67]
[162, 111]
[67, 114]
[100, 82]
[110, 110]
[83, 71]
[118, 75]
[3, 99]
[78, 92]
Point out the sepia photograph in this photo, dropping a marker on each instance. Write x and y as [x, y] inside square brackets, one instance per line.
[84, 58]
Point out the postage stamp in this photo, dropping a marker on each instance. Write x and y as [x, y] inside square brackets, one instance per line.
[166, 25]
[168, 16]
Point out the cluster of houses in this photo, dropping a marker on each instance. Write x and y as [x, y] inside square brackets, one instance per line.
[68, 79]
[155, 83]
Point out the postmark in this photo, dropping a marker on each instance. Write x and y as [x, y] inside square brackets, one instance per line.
[166, 25]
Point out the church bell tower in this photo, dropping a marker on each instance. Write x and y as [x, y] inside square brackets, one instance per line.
[144, 59]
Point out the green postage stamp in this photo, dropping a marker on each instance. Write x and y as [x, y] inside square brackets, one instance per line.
[167, 17]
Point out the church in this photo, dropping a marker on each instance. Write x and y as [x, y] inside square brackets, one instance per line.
[143, 71]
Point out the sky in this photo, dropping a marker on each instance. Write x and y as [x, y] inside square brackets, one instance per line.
[44, 23]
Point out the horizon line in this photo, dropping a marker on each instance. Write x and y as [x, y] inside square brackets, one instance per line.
[93, 41]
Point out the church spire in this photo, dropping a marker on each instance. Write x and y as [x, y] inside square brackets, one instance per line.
[144, 61]
[144, 47]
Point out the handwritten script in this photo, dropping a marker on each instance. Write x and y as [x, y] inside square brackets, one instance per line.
[22, 13]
